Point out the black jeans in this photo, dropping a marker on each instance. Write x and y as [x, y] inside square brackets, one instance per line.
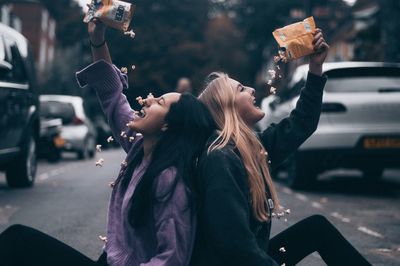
[22, 246]
[314, 233]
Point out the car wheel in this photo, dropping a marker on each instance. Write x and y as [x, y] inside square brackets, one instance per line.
[22, 171]
[54, 155]
[84, 153]
[373, 174]
[301, 174]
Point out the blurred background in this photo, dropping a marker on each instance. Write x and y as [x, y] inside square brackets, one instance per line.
[43, 112]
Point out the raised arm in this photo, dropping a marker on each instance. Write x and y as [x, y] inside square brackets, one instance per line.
[108, 81]
[282, 139]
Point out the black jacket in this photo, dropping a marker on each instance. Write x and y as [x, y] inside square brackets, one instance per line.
[227, 232]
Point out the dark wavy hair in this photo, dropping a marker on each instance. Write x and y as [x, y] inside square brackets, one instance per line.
[189, 126]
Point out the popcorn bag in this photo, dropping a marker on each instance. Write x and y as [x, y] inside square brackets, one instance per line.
[296, 38]
[113, 13]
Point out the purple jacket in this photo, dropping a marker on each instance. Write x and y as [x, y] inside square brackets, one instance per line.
[168, 235]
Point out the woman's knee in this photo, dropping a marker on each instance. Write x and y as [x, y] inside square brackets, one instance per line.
[318, 220]
[14, 230]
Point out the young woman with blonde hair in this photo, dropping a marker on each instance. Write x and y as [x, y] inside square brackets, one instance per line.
[236, 196]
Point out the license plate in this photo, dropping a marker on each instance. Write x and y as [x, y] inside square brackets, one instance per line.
[59, 142]
[382, 143]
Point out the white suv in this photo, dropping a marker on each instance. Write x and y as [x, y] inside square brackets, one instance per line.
[359, 125]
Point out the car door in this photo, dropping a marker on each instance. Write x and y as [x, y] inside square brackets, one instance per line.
[14, 97]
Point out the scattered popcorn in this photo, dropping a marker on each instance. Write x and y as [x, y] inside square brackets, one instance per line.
[123, 134]
[283, 264]
[285, 220]
[272, 90]
[140, 100]
[133, 67]
[150, 95]
[138, 134]
[269, 82]
[269, 161]
[110, 139]
[273, 214]
[277, 67]
[124, 163]
[288, 211]
[103, 238]
[100, 162]
[111, 184]
[282, 249]
[124, 70]
[130, 33]
[98, 148]
[272, 73]
[131, 139]
[276, 59]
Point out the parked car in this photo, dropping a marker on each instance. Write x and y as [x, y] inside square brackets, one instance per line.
[19, 109]
[50, 141]
[359, 126]
[77, 130]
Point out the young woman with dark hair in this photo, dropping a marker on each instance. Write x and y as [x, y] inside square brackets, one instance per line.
[151, 217]
[236, 196]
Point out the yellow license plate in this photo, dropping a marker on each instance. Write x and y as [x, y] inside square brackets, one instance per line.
[381, 143]
[59, 142]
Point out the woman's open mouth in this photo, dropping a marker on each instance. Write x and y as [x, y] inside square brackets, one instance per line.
[141, 113]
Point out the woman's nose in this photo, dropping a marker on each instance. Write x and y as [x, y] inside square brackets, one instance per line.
[251, 91]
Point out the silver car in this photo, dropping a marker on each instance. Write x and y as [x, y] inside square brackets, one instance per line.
[359, 127]
[78, 132]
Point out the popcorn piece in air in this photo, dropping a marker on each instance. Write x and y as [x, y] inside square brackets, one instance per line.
[140, 100]
[285, 220]
[150, 95]
[272, 90]
[114, 13]
[98, 148]
[123, 134]
[130, 33]
[138, 134]
[272, 73]
[100, 162]
[288, 211]
[124, 163]
[111, 184]
[269, 82]
[131, 139]
[103, 238]
[283, 264]
[110, 139]
[133, 67]
[282, 249]
[277, 59]
[124, 70]
[277, 67]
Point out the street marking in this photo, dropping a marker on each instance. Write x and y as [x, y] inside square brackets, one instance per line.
[43, 176]
[316, 205]
[384, 250]
[287, 191]
[369, 232]
[6, 212]
[301, 197]
[340, 217]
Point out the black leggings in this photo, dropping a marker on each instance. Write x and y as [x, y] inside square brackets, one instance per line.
[314, 233]
[22, 246]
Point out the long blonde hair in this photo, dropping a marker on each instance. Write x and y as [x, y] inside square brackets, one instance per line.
[219, 97]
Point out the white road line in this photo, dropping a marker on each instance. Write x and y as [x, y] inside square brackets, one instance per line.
[370, 232]
[287, 191]
[316, 205]
[301, 197]
[6, 212]
[340, 217]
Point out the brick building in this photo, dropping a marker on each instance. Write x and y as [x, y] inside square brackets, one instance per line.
[33, 20]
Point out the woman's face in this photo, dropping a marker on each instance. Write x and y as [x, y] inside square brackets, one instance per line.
[151, 119]
[245, 103]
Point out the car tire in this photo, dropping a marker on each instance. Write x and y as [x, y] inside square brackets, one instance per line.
[301, 174]
[84, 153]
[373, 174]
[22, 171]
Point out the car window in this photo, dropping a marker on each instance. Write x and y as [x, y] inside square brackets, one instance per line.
[14, 58]
[363, 84]
[54, 109]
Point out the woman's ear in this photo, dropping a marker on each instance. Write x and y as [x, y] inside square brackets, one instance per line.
[164, 127]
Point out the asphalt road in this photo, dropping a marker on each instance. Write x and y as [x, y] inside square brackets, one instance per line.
[69, 201]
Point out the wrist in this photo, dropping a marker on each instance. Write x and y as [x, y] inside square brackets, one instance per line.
[97, 45]
[316, 69]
